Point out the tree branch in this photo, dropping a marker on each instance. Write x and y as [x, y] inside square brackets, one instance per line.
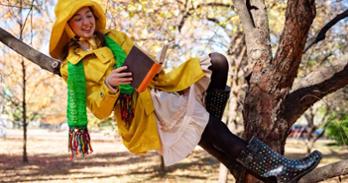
[44, 61]
[313, 88]
[254, 20]
[326, 172]
[321, 35]
[189, 12]
[244, 14]
[15, 6]
[299, 18]
[271, 79]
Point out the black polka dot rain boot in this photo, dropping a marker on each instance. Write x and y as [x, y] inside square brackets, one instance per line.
[262, 160]
[216, 100]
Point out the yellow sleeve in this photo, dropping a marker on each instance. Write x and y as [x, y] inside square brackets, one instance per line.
[181, 77]
[100, 100]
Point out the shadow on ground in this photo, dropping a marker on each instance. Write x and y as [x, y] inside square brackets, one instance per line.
[45, 167]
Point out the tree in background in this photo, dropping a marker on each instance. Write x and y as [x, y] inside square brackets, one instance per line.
[338, 129]
[26, 93]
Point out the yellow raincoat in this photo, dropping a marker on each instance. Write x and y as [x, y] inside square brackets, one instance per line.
[142, 135]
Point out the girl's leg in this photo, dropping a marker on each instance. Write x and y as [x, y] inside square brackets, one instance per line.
[219, 136]
[221, 154]
[254, 155]
[228, 148]
[218, 92]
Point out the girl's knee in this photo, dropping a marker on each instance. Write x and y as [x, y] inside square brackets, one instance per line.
[219, 68]
[219, 62]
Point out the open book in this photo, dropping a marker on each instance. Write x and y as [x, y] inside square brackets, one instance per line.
[142, 67]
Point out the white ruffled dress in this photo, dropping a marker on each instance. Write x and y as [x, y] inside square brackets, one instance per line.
[181, 118]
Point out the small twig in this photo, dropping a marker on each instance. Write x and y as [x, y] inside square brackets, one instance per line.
[26, 18]
[14, 6]
[322, 32]
[189, 12]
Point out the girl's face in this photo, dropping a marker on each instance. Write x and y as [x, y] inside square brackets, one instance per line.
[83, 23]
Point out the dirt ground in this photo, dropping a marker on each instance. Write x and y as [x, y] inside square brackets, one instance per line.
[110, 162]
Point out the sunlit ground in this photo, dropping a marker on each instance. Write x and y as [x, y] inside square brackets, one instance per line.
[110, 162]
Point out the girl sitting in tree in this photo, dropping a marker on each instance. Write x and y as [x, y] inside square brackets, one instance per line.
[179, 110]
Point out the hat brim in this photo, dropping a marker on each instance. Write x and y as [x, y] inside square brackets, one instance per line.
[59, 38]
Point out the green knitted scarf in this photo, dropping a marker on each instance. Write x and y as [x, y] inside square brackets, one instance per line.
[120, 56]
[79, 139]
[125, 99]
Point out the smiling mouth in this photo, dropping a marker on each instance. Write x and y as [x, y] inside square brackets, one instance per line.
[87, 31]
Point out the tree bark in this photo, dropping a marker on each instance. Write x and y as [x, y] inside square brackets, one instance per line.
[272, 81]
[310, 90]
[271, 78]
[24, 112]
[24, 81]
[270, 109]
[322, 33]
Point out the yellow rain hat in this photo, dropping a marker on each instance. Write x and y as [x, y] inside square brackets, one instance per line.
[61, 32]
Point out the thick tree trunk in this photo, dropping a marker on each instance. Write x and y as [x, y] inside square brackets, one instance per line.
[271, 79]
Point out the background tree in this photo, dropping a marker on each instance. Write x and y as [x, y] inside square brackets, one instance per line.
[26, 92]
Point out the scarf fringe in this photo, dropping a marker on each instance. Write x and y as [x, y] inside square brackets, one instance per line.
[126, 108]
[79, 142]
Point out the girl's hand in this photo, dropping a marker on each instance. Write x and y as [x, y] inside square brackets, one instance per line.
[118, 76]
